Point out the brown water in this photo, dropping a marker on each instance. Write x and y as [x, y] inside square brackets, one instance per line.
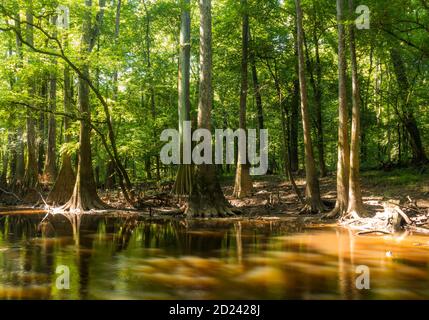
[135, 258]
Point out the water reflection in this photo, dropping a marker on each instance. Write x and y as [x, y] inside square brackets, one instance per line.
[117, 257]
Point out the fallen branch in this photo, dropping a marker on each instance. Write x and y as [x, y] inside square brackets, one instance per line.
[417, 229]
[404, 216]
[373, 231]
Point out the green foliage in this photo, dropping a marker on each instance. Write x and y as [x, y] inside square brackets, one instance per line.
[145, 57]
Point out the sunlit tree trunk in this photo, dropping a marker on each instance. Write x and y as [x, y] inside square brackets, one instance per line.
[287, 167]
[42, 132]
[64, 185]
[5, 162]
[117, 30]
[17, 163]
[31, 170]
[183, 182]
[151, 86]
[206, 198]
[294, 113]
[343, 165]
[50, 171]
[256, 86]
[85, 195]
[355, 205]
[18, 160]
[315, 70]
[312, 193]
[243, 182]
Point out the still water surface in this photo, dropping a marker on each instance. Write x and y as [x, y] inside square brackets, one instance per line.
[136, 258]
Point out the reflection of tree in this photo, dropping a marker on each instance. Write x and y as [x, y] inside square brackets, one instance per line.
[24, 269]
[88, 243]
[82, 228]
[209, 237]
[16, 227]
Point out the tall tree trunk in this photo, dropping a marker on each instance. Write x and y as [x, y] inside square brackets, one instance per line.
[287, 167]
[110, 179]
[343, 165]
[117, 30]
[5, 162]
[407, 117]
[50, 172]
[206, 198]
[13, 160]
[17, 164]
[64, 185]
[183, 182]
[85, 195]
[355, 205]
[151, 89]
[42, 120]
[315, 70]
[256, 86]
[312, 192]
[31, 172]
[294, 113]
[243, 182]
[364, 149]
[20, 159]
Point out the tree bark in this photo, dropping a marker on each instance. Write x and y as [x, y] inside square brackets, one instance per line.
[42, 131]
[64, 184]
[355, 205]
[206, 198]
[256, 86]
[343, 165]
[31, 173]
[312, 192]
[294, 114]
[50, 171]
[85, 195]
[151, 87]
[315, 70]
[20, 159]
[5, 162]
[243, 182]
[183, 182]
[17, 164]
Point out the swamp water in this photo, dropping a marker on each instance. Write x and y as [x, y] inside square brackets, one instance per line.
[116, 257]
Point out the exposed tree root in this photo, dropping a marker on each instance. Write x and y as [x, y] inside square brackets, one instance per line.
[207, 199]
[335, 213]
[78, 206]
[391, 220]
[83, 201]
[206, 211]
[313, 207]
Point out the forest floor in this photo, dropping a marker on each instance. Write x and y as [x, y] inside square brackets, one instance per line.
[274, 197]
